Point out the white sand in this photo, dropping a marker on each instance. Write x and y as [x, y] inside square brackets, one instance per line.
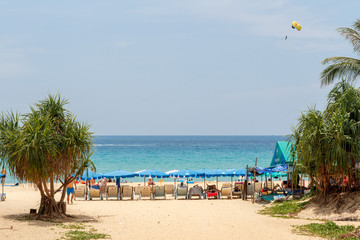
[149, 219]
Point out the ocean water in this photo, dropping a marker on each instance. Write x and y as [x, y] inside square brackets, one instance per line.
[164, 153]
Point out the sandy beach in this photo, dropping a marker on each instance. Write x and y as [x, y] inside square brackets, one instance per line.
[147, 219]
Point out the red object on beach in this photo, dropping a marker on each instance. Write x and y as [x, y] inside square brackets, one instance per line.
[212, 194]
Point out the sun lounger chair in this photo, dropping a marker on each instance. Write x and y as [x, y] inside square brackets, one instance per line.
[169, 189]
[146, 191]
[196, 191]
[159, 191]
[237, 191]
[226, 192]
[137, 190]
[211, 191]
[127, 191]
[94, 193]
[80, 193]
[181, 191]
[112, 191]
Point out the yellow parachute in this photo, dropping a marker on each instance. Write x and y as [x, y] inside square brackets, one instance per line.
[296, 25]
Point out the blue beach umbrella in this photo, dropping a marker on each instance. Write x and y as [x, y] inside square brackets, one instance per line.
[119, 174]
[213, 173]
[187, 173]
[152, 173]
[87, 175]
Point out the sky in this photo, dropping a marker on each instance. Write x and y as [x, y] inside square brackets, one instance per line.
[190, 67]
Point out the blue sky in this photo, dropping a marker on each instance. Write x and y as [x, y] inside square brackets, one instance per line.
[172, 67]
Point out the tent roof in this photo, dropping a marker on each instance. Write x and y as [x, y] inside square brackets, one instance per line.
[282, 154]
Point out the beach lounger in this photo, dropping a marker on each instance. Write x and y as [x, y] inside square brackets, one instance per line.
[196, 191]
[169, 189]
[211, 191]
[146, 192]
[137, 190]
[181, 191]
[226, 192]
[127, 191]
[159, 191]
[80, 193]
[237, 191]
[94, 193]
[112, 191]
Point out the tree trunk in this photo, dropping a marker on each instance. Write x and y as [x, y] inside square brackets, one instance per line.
[49, 207]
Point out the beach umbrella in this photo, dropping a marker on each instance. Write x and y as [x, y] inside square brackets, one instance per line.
[119, 174]
[172, 171]
[187, 173]
[152, 173]
[87, 175]
[213, 173]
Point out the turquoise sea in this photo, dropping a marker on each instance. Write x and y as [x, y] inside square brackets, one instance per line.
[164, 153]
[134, 153]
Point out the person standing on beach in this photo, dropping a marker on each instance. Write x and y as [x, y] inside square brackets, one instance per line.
[71, 190]
[102, 186]
[3, 171]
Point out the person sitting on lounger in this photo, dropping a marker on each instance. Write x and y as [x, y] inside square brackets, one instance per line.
[150, 182]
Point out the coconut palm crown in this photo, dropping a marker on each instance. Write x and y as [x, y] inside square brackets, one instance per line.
[344, 67]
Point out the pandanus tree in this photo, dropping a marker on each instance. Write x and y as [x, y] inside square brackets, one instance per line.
[344, 67]
[327, 143]
[47, 147]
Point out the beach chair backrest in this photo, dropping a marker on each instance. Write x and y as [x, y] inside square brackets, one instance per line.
[112, 191]
[146, 191]
[94, 193]
[83, 186]
[137, 190]
[127, 191]
[159, 191]
[169, 188]
[182, 191]
[80, 192]
[226, 185]
[226, 191]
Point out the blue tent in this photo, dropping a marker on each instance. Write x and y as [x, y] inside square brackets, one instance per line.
[119, 174]
[187, 173]
[282, 154]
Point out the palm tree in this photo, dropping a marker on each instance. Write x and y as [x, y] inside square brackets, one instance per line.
[327, 143]
[46, 146]
[344, 67]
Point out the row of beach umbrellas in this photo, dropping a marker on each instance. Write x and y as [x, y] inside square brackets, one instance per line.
[180, 173]
[203, 173]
